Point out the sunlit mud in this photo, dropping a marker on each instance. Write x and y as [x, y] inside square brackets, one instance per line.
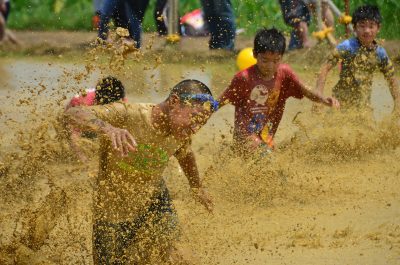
[328, 194]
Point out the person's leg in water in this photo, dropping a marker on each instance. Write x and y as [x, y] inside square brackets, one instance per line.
[221, 22]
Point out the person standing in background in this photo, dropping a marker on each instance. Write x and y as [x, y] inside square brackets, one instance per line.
[4, 33]
[221, 21]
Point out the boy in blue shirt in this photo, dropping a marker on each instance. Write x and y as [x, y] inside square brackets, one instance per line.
[360, 57]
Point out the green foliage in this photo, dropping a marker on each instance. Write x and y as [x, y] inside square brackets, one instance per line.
[42, 15]
[390, 10]
[250, 14]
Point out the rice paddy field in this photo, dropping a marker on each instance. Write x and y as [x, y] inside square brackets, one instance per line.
[329, 194]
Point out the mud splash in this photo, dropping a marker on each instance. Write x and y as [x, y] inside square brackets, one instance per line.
[327, 195]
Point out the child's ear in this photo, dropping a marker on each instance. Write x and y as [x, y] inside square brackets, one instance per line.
[254, 54]
[173, 100]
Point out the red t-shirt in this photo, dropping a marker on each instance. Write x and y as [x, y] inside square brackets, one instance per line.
[258, 102]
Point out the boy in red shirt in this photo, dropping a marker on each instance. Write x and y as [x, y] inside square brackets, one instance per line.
[259, 93]
[108, 90]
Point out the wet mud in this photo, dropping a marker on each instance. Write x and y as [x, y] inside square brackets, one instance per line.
[328, 194]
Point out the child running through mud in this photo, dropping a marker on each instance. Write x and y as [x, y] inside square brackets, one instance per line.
[134, 220]
[107, 90]
[360, 57]
[259, 93]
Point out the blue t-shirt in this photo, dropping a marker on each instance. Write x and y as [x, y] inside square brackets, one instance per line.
[358, 65]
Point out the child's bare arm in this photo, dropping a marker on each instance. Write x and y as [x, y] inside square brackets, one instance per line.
[395, 91]
[85, 118]
[323, 73]
[187, 161]
[73, 143]
[317, 97]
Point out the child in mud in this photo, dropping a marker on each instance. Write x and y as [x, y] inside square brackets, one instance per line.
[108, 90]
[134, 220]
[259, 93]
[360, 57]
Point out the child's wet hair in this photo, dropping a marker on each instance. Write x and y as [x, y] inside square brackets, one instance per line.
[269, 40]
[190, 86]
[108, 90]
[367, 12]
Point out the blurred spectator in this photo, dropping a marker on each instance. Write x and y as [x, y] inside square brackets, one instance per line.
[97, 5]
[297, 15]
[160, 11]
[161, 18]
[4, 33]
[221, 23]
[123, 15]
[326, 12]
[135, 12]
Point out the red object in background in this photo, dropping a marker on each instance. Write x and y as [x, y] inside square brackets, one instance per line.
[193, 24]
[95, 21]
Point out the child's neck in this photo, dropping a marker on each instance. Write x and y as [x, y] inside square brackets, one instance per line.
[266, 76]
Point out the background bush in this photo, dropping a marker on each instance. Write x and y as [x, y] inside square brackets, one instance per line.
[250, 14]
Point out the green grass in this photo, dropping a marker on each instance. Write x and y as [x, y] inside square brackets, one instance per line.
[250, 14]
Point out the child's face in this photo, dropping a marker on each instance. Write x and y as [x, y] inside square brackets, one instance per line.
[186, 119]
[268, 62]
[366, 31]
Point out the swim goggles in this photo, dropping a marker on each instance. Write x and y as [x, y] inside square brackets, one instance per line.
[206, 98]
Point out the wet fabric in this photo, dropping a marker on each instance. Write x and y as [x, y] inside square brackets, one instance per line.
[358, 65]
[126, 185]
[112, 240]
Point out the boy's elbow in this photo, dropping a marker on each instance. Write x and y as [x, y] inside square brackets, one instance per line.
[70, 113]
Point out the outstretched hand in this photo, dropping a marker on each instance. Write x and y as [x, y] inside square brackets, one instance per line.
[122, 141]
[332, 102]
[202, 196]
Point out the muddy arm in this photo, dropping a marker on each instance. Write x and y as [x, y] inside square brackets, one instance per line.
[98, 119]
[395, 91]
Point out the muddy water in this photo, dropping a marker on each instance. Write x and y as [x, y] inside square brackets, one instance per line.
[328, 195]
